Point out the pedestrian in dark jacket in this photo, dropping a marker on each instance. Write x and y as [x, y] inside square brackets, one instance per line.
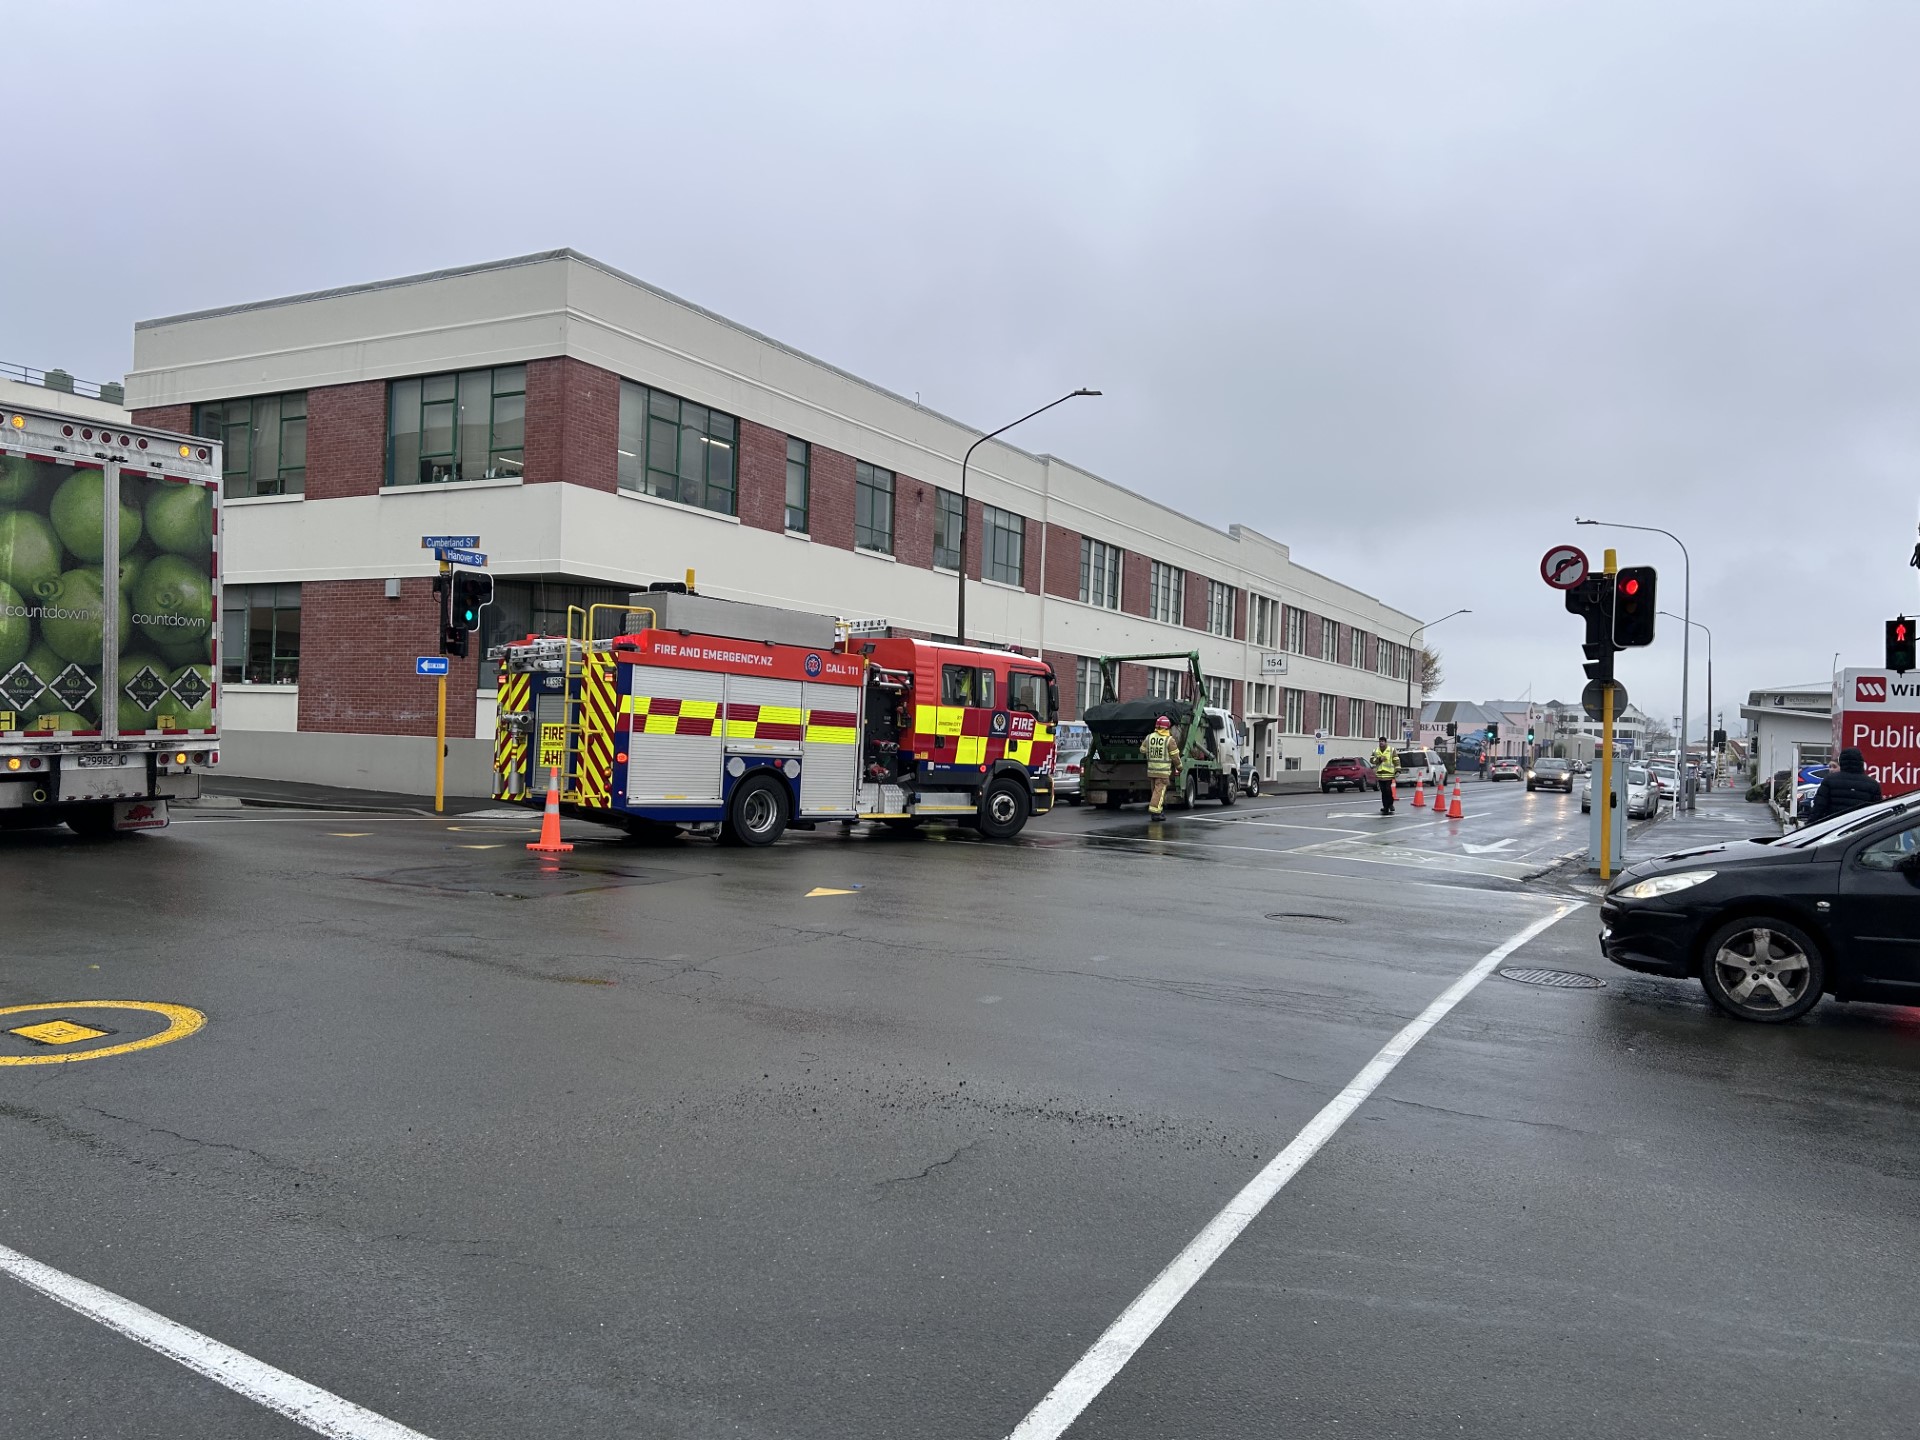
[1847, 788]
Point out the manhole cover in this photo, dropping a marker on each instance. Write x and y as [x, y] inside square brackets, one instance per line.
[1306, 915]
[1558, 979]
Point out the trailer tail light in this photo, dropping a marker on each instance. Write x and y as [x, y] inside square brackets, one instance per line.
[181, 758]
[14, 763]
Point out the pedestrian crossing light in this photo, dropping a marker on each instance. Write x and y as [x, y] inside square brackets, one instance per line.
[1900, 645]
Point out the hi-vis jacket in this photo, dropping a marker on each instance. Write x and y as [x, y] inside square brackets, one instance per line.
[1158, 750]
[1385, 765]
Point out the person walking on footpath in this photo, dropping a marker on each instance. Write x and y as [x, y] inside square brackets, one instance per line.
[1385, 766]
[1844, 789]
[1158, 750]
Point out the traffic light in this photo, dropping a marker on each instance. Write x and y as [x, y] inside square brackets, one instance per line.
[1529, 734]
[463, 595]
[1493, 734]
[1900, 647]
[1634, 603]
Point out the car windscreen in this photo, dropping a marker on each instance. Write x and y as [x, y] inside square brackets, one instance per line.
[1413, 759]
[1550, 767]
[1841, 825]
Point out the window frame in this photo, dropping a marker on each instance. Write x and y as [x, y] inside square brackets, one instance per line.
[648, 406]
[1220, 605]
[1021, 679]
[286, 479]
[1168, 688]
[985, 690]
[241, 603]
[804, 462]
[412, 389]
[1263, 620]
[1296, 631]
[949, 511]
[867, 489]
[1166, 593]
[1100, 573]
[1293, 708]
[1005, 535]
[1329, 640]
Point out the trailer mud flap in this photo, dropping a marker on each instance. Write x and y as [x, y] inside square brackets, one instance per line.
[140, 815]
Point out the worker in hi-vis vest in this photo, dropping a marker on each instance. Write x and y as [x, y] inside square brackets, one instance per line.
[1386, 765]
[1158, 750]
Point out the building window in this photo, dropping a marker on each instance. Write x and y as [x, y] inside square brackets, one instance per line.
[872, 508]
[1219, 608]
[799, 483]
[1327, 716]
[1356, 648]
[1330, 641]
[539, 606]
[1219, 692]
[1087, 686]
[1167, 594]
[1296, 632]
[673, 449]
[260, 634]
[467, 426]
[1263, 617]
[1006, 545]
[264, 440]
[1164, 684]
[947, 515]
[1295, 723]
[1099, 574]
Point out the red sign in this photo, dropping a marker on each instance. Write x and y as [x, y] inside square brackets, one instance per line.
[1879, 715]
[738, 657]
[1564, 566]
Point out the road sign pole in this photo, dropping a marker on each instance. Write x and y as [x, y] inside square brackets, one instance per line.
[440, 749]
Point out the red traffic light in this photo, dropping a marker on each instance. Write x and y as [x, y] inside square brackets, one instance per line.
[1899, 631]
[1629, 586]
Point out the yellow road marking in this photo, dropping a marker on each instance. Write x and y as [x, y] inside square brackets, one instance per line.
[182, 1021]
[823, 890]
[59, 1032]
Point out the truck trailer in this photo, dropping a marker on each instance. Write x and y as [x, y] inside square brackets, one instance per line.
[109, 633]
[1206, 741]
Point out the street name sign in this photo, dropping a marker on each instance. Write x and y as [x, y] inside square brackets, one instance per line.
[449, 542]
[430, 665]
[1564, 566]
[450, 555]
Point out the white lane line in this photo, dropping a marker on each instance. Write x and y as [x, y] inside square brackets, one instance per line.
[319, 1410]
[1095, 1370]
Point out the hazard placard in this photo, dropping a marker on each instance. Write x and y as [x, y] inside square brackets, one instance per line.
[553, 746]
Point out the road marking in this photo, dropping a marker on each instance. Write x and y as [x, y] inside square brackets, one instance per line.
[476, 847]
[1095, 1370]
[1486, 849]
[181, 1022]
[321, 1412]
[350, 834]
[819, 890]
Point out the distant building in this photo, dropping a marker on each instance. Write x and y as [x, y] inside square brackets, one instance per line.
[1786, 715]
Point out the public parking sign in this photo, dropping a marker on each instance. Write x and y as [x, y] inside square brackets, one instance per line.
[430, 665]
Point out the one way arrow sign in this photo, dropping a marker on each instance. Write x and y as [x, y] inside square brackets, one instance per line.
[1488, 849]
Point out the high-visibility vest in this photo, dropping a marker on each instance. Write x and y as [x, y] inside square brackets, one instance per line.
[1384, 764]
[1159, 753]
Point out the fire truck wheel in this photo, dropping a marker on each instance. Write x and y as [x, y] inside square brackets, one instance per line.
[758, 814]
[1003, 808]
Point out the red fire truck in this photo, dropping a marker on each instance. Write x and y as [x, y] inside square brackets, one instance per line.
[683, 712]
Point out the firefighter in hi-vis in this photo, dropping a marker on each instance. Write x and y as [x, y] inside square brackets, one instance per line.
[1385, 768]
[1158, 751]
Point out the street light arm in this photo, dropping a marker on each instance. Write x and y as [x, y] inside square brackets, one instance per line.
[1419, 630]
[960, 625]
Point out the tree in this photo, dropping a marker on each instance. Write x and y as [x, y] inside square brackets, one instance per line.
[1432, 674]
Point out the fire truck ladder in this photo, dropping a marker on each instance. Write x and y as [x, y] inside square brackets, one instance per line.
[589, 633]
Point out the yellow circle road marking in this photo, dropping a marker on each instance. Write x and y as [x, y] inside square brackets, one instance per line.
[182, 1021]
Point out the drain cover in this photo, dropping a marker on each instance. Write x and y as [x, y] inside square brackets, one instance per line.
[1559, 979]
[1306, 915]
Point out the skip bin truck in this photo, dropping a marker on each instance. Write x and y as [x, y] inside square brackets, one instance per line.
[681, 711]
[1206, 741]
[108, 629]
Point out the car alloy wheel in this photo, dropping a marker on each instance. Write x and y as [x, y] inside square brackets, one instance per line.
[1762, 969]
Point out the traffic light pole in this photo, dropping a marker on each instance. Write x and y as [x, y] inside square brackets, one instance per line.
[440, 708]
[1611, 564]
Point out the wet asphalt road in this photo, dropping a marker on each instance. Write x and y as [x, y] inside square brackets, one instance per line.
[647, 1142]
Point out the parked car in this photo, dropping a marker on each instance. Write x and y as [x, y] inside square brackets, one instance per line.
[1071, 742]
[1505, 768]
[1548, 773]
[1643, 800]
[1770, 925]
[1423, 765]
[1346, 773]
[1581, 767]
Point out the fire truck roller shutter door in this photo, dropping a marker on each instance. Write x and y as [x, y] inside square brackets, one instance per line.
[675, 752]
[764, 717]
[830, 782]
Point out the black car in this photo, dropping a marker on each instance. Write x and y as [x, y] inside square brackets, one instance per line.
[1769, 926]
[1547, 773]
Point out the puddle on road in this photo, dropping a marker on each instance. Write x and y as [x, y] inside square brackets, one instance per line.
[535, 882]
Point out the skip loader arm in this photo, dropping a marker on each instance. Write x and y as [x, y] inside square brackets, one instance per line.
[1193, 742]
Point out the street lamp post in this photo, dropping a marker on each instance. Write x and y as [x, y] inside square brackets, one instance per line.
[1713, 765]
[1412, 644]
[1686, 635]
[960, 622]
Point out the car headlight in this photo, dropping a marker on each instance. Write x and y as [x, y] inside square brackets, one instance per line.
[1666, 884]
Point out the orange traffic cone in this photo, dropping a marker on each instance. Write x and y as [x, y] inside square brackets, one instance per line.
[1419, 794]
[1454, 812]
[550, 842]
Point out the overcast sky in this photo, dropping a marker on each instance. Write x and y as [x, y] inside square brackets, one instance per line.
[1407, 286]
